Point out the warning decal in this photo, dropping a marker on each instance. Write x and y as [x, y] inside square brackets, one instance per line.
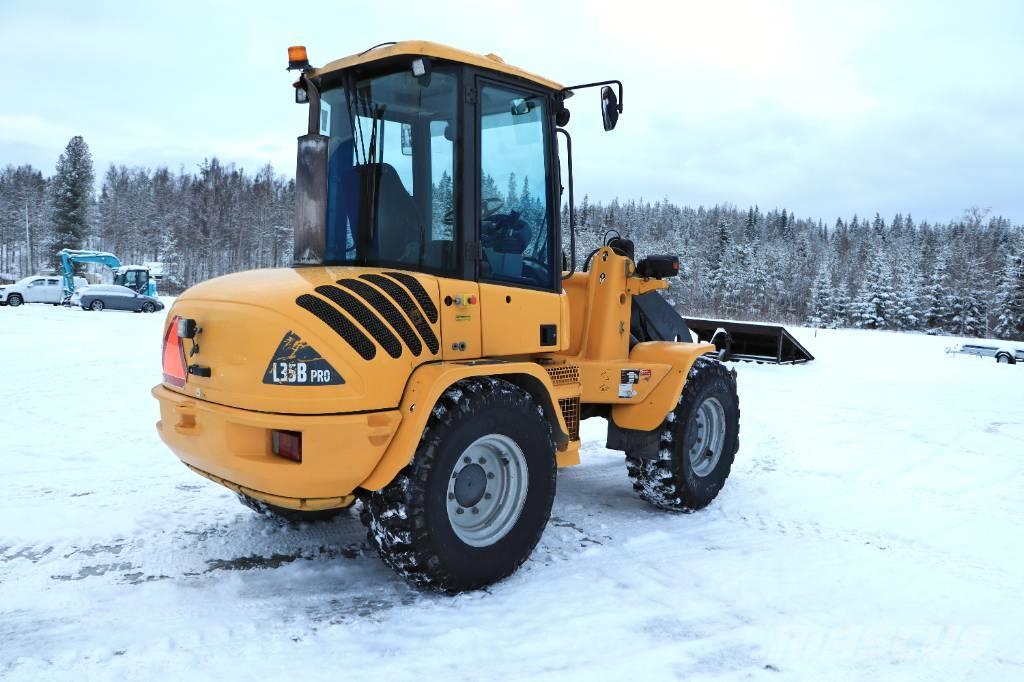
[296, 363]
[627, 380]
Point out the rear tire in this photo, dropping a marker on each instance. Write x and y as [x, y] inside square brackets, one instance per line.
[1005, 359]
[14, 300]
[96, 305]
[291, 516]
[472, 505]
[698, 444]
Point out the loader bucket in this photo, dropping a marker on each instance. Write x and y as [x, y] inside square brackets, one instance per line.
[750, 341]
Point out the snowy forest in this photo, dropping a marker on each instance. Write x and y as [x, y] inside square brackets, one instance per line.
[962, 277]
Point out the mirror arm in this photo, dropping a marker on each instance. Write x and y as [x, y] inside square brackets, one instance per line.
[598, 84]
[572, 208]
[314, 105]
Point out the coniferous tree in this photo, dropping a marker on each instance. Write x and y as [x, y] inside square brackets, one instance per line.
[71, 196]
[873, 307]
[935, 301]
[1009, 297]
[840, 309]
[821, 308]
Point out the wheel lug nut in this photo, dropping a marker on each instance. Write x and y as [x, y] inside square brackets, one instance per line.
[487, 496]
[467, 460]
[451, 496]
[460, 510]
[504, 460]
[475, 510]
[483, 460]
[490, 474]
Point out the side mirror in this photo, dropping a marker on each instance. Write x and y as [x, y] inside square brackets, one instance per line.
[609, 108]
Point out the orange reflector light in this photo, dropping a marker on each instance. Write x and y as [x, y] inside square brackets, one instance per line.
[287, 444]
[174, 355]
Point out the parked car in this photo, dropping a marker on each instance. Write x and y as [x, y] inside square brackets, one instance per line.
[35, 289]
[115, 297]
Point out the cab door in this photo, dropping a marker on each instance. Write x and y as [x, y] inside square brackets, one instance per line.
[35, 291]
[53, 291]
[519, 274]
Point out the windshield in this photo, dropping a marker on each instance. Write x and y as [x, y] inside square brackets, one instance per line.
[391, 165]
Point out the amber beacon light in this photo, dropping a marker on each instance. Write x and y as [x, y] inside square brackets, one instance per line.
[297, 58]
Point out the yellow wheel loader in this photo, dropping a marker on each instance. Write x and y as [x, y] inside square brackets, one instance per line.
[432, 352]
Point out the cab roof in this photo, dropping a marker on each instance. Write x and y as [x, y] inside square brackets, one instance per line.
[429, 49]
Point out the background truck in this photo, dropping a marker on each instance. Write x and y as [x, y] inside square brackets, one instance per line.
[35, 289]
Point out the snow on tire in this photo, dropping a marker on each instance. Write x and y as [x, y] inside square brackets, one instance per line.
[472, 504]
[698, 443]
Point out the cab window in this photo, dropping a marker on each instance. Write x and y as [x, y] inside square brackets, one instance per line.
[391, 161]
[515, 229]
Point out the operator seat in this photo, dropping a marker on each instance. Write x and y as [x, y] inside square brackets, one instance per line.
[399, 235]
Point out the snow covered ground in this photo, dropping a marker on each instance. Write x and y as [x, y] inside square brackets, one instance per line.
[871, 529]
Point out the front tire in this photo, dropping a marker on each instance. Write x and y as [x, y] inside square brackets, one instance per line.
[148, 308]
[14, 300]
[698, 444]
[286, 515]
[472, 505]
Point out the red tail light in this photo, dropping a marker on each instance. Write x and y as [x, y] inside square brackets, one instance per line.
[174, 355]
[287, 444]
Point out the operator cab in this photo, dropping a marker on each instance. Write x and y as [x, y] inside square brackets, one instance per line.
[133, 277]
[437, 161]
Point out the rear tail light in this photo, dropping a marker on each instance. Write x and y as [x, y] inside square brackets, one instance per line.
[287, 444]
[174, 355]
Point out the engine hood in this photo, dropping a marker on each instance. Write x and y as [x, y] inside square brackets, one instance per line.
[318, 340]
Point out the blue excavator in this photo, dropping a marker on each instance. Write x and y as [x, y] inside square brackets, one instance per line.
[135, 277]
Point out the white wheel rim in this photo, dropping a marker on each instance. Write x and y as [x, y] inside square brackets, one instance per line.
[487, 490]
[709, 439]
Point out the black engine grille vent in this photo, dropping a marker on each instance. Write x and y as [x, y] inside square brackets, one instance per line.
[387, 310]
[364, 316]
[377, 314]
[402, 298]
[339, 323]
[421, 295]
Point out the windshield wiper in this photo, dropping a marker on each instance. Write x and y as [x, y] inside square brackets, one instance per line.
[369, 157]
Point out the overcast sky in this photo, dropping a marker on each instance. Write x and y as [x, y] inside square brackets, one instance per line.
[825, 108]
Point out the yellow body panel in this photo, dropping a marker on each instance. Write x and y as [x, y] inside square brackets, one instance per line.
[436, 50]
[513, 318]
[646, 412]
[422, 392]
[244, 318]
[360, 434]
[460, 319]
[338, 451]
